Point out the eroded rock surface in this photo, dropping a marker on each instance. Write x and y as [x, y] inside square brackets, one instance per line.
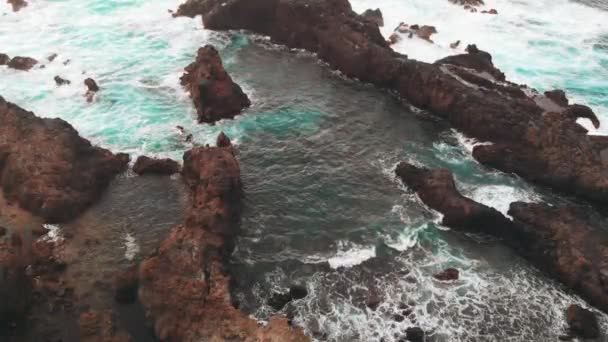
[185, 287]
[467, 90]
[47, 168]
[214, 94]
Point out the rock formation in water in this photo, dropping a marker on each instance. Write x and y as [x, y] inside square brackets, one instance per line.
[568, 243]
[147, 165]
[533, 136]
[374, 16]
[47, 168]
[212, 90]
[4, 59]
[185, 286]
[61, 81]
[17, 4]
[22, 63]
[582, 322]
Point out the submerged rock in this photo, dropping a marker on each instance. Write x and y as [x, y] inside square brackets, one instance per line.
[47, 168]
[185, 286]
[213, 92]
[583, 323]
[374, 16]
[146, 165]
[22, 63]
[414, 334]
[52, 57]
[449, 274]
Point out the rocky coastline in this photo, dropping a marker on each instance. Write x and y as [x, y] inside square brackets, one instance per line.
[533, 135]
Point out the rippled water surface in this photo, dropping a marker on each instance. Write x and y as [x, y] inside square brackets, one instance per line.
[317, 152]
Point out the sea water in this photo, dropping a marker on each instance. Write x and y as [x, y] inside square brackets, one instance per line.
[318, 151]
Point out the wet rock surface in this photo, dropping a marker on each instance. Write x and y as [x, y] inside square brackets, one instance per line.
[61, 81]
[475, 99]
[147, 165]
[582, 322]
[22, 63]
[566, 242]
[214, 94]
[17, 4]
[4, 59]
[185, 287]
[47, 168]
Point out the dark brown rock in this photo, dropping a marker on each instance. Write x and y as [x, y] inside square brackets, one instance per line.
[48, 168]
[91, 85]
[4, 59]
[146, 165]
[126, 284]
[17, 4]
[449, 274]
[213, 92]
[469, 3]
[583, 323]
[61, 81]
[185, 286]
[223, 140]
[475, 59]
[374, 16]
[22, 63]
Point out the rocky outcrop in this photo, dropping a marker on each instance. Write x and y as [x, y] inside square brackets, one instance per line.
[467, 90]
[147, 165]
[17, 4]
[212, 90]
[47, 168]
[374, 16]
[4, 59]
[22, 63]
[582, 322]
[436, 188]
[185, 286]
[449, 274]
[91, 85]
[568, 243]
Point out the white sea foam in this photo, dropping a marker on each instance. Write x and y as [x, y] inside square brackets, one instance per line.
[54, 233]
[131, 247]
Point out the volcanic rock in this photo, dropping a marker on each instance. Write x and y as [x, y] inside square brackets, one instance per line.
[213, 92]
[146, 165]
[223, 140]
[91, 85]
[17, 4]
[22, 63]
[374, 16]
[4, 59]
[449, 274]
[61, 81]
[47, 168]
[185, 286]
[583, 323]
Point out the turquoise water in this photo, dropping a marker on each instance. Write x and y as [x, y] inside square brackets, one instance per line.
[317, 152]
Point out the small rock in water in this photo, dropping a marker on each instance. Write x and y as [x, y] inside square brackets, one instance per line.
[278, 300]
[448, 275]
[22, 63]
[146, 165]
[455, 44]
[583, 323]
[61, 81]
[4, 59]
[224, 141]
[51, 57]
[414, 334]
[373, 300]
[91, 85]
[298, 291]
[398, 318]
